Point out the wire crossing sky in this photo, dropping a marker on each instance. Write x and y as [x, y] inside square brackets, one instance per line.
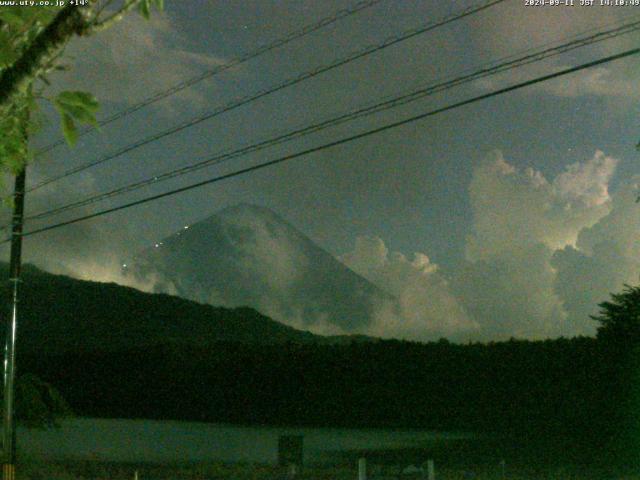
[341, 141]
[513, 216]
[403, 99]
[301, 77]
[306, 30]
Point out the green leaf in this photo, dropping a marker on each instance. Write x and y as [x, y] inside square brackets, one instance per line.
[144, 8]
[69, 129]
[84, 100]
[76, 106]
[78, 113]
[159, 4]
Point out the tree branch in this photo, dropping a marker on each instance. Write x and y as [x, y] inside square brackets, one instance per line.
[116, 17]
[70, 21]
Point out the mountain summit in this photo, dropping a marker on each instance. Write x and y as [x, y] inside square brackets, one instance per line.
[247, 255]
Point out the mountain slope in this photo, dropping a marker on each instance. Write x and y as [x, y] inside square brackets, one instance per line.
[248, 255]
[59, 314]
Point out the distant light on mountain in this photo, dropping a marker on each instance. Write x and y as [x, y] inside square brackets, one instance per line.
[248, 255]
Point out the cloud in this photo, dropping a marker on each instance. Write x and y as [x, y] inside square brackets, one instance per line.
[81, 251]
[620, 227]
[615, 81]
[518, 25]
[141, 57]
[522, 208]
[265, 251]
[423, 308]
[541, 254]
[248, 256]
[510, 282]
[541, 28]
[86, 250]
[586, 182]
[512, 295]
[606, 256]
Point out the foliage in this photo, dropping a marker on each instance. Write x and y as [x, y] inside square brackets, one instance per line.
[32, 41]
[38, 403]
[30, 49]
[75, 107]
[18, 28]
[145, 7]
[619, 318]
[16, 129]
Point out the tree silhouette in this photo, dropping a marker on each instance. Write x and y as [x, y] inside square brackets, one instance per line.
[39, 403]
[619, 318]
[619, 338]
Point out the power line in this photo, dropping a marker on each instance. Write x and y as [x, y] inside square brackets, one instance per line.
[341, 141]
[492, 69]
[306, 30]
[281, 86]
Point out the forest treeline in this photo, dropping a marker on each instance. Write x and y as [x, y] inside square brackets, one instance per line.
[112, 351]
[573, 391]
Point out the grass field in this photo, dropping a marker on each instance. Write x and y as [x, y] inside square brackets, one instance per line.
[489, 458]
[220, 471]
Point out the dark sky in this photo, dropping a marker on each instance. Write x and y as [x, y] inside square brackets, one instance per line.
[519, 207]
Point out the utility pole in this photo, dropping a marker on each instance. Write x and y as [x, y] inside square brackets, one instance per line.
[8, 420]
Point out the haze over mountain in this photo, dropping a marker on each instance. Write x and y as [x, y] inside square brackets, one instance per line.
[60, 314]
[248, 255]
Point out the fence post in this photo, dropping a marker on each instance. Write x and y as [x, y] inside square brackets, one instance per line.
[431, 470]
[362, 469]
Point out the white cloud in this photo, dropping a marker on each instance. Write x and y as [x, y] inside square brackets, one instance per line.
[248, 256]
[79, 250]
[522, 208]
[606, 257]
[520, 219]
[586, 182]
[424, 308]
[530, 26]
[620, 227]
[541, 255]
[512, 295]
[612, 81]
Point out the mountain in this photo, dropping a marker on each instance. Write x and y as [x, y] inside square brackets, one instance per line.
[60, 314]
[248, 255]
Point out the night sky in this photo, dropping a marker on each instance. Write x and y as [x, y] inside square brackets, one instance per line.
[513, 215]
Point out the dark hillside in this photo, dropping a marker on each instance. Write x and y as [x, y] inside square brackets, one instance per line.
[117, 352]
[59, 314]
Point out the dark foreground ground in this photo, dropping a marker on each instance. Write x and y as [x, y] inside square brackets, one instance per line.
[490, 459]
[104, 471]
